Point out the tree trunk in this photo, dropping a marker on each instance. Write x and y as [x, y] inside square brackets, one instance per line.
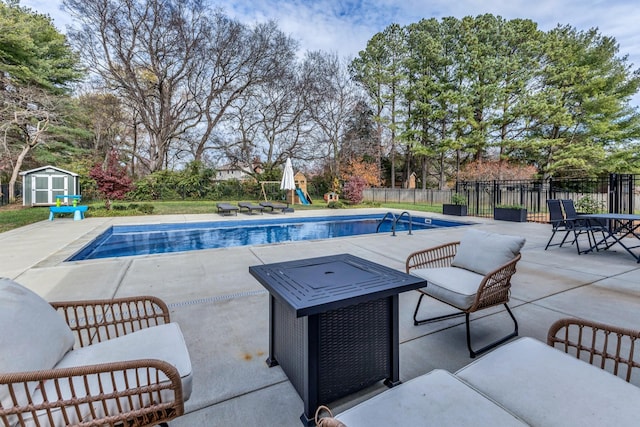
[16, 171]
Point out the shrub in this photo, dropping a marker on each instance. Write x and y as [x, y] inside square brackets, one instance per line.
[194, 181]
[488, 170]
[458, 199]
[589, 204]
[512, 206]
[336, 204]
[112, 180]
[145, 208]
[353, 190]
[161, 185]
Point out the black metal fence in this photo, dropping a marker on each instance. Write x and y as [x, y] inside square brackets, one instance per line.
[614, 193]
[4, 194]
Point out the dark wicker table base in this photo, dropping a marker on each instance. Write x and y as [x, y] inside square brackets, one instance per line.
[336, 353]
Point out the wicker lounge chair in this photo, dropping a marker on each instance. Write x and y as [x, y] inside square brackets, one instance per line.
[524, 382]
[250, 207]
[272, 206]
[101, 362]
[470, 275]
[608, 347]
[227, 209]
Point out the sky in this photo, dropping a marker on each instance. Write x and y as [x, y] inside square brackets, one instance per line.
[345, 26]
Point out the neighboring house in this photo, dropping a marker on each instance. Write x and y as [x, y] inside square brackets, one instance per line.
[40, 186]
[229, 172]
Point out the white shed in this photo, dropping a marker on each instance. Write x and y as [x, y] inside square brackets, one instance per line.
[40, 186]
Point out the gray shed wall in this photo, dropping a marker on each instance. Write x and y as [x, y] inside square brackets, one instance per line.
[41, 187]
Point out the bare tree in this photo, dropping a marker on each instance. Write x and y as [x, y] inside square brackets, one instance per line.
[179, 64]
[272, 122]
[25, 117]
[106, 118]
[333, 98]
[145, 52]
[240, 63]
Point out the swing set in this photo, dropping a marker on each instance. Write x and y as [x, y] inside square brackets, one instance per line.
[272, 188]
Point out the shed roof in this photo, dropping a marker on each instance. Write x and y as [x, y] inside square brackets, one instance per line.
[48, 167]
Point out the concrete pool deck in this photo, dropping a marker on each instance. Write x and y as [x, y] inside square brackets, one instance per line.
[223, 310]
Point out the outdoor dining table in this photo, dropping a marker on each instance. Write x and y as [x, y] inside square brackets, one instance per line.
[333, 324]
[619, 226]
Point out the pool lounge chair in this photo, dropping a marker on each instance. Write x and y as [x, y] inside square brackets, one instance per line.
[250, 207]
[227, 209]
[272, 206]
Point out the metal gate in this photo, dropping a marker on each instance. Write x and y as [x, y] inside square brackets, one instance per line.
[616, 193]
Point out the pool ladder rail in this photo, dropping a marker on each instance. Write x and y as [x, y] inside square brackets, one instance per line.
[395, 221]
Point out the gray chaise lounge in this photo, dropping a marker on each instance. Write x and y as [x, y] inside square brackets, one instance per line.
[272, 206]
[227, 209]
[250, 207]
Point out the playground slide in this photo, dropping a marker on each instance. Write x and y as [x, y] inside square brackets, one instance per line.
[303, 198]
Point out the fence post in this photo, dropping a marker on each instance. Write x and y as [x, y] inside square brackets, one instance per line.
[477, 207]
[630, 207]
[613, 193]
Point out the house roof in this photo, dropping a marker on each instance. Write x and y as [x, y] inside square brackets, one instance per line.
[48, 167]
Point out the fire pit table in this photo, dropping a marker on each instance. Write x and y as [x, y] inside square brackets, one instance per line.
[333, 324]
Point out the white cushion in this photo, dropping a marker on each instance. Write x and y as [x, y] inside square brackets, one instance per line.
[483, 252]
[34, 336]
[434, 399]
[455, 286]
[546, 387]
[164, 342]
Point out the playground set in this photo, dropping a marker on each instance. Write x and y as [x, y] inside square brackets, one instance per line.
[298, 197]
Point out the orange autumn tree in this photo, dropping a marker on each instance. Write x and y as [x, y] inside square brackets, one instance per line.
[366, 170]
[489, 170]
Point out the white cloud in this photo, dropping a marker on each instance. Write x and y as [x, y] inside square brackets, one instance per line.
[345, 26]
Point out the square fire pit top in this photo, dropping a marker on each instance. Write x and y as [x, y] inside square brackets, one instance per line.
[315, 285]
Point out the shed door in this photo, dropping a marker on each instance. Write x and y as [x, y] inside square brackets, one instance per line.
[45, 188]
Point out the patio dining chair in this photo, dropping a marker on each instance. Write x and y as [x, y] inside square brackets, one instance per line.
[558, 223]
[581, 226]
[470, 275]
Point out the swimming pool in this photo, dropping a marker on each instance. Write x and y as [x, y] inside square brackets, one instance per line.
[130, 240]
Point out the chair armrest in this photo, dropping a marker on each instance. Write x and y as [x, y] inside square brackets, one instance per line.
[495, 288]
[94, 321]
[614, 349]
[152, 391]
[439, 256]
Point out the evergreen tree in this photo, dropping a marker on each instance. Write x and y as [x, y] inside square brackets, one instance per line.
[37, 67]
[487, 88]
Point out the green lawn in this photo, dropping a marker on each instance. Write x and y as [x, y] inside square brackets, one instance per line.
[13, 216]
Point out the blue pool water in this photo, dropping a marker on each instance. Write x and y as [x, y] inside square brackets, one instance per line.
[129, 240]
